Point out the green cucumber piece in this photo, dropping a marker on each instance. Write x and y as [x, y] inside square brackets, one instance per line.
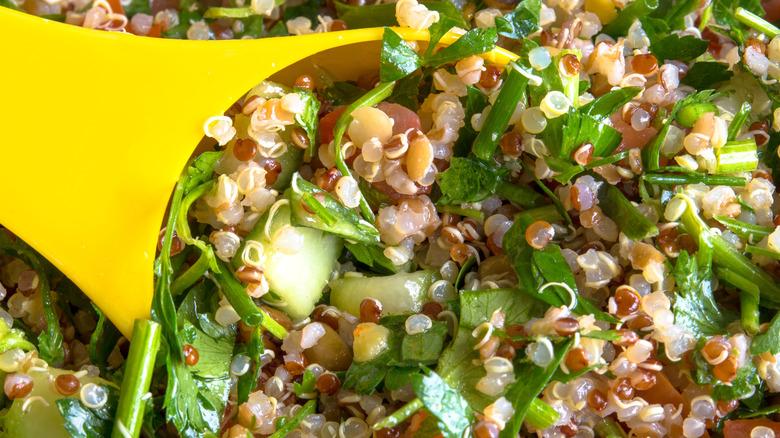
[39, 420]
[404, 292]
[296, 281]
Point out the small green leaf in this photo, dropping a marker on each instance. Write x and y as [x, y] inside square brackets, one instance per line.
[682, 49]
[397, 59]
[521, 22]
[446, 404]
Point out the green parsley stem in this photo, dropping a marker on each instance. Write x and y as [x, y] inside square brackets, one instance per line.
[243, 304]
[750, 19]
[737, 156]
[751, 232]
[706, 14]
[454, 209]
[628, 218]
[400, 415]
[373, 97]
[191, 275]
[548, 213]
[293, 422]
[749, 312]
[138, 376]
[752, 249]
[540, 415]
[730, 259]
[519, 194]
[738, 121]
[498, 118]
[711, 180]
[319, 209]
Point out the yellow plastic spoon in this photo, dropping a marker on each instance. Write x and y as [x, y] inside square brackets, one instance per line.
[96, 127]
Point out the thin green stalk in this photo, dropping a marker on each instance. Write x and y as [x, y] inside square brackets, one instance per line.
[706, 14]
[243, 304]
[373, 97]
[737, 156]
[319, 209]
[711, 180]
[454, 209]
[293, 422]
[628, 218]
[750, 19]
[498, 117]
[751, 232]
[548, 213]
[557, 202]
[139, 369]
[752, 249]
[738, 121]
[191, 275]
[400, 415]
[520, 195]
[608, 160]
[540, 415]
[729, 258]
[749, 312]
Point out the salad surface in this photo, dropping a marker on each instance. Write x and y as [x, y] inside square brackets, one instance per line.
[582, 242]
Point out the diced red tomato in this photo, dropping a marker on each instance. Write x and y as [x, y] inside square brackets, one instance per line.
[403, 117]
[328, 122]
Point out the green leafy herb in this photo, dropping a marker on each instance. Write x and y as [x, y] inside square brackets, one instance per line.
[625, 18]
[84, 422]
[309, 119]
[345, 222]
[358, 17]
[497, 120]
[725, 15]
[683, 49]
[476, 102]
[424, 348]
[309, 9]
[103, 340]
[768, 340]
[398, 377]
[306, 386]
[673, 12]
[437, 31]
[524, 391]
[374, 257]
[446, 404]
[707, 74]
[50, 340]
[468, 180]
[741, 386]
[309, 408]
[248, 381]
[694, 306]
[11, 338]
[474, 42]
[521, 22]
[397, 58]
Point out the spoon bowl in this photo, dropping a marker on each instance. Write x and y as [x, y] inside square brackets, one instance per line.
[98, 125]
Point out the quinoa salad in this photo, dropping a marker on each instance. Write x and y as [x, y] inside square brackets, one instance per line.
[576, 239]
